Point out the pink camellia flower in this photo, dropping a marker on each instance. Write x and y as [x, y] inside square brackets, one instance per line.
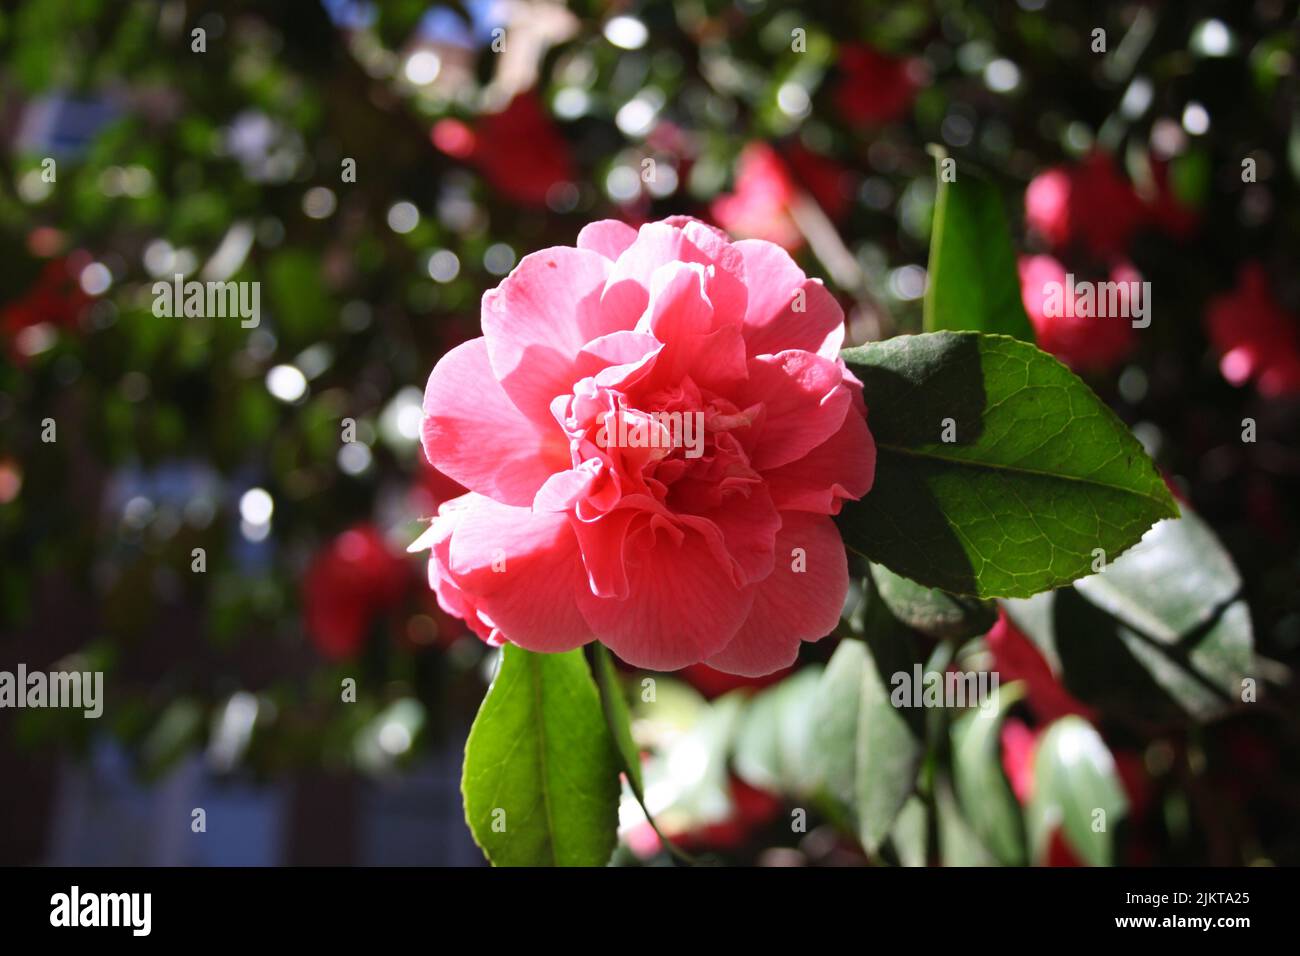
[762, 203]
[1016, 657]
[759, 207]
[54, 301]
[1168, 212]
[519, 150]
[655, 429]
[1090, 204]
[351, 584]
[1255, 337]
[875, 87]
[713, 683]
[1087, 337]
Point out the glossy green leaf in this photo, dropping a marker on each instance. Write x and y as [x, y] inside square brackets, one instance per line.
[541, 770]
[982, 788]
[867, 750]
[618, 718]
[972, 280]
[1162, 634]
[1076, 789]
[958, 844]
[1039, 472]
[773, 747]
[910, 836]
[931, 610]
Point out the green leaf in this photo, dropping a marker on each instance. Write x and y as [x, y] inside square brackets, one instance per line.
[1162, 634]
[757, 755]
[773, 747]
[973, 283]
[911, 832]
[958, 844]
[300, 299]
[982, 787]
[868, 751]
[541, 770]
[891, 740]
[932, 611]
[618, 718]
[835, 725]
[1076, 789]
[1039, 472]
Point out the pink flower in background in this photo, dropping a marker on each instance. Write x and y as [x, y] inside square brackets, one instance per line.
[1016, 657]
[1090, 204]
[655, 429]
[353, 582]
[1168, 212]
[1018, 743]
[874, 87]
[766, 191]
[55, 300]
[759, 208]
[519, 150]
[712, 682]
[1254, 336]
[826, 180]
[1047, 206]
[1019, 746]
[1084, 342]
[751, 810]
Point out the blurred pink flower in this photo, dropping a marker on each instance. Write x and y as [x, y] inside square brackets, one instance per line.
[874, 87]
[54, 299]
[712, 682]
[519, 150]
[1015, 657]
[655, 429]
[759, 208]
[1254, 336]
[1018, 743]
[1090, 204]
[1084, 342]
[353, 582]
[751, 810]
[1168, 213]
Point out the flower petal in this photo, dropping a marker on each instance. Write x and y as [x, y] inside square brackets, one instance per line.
[791, 605]
[680, 607]
[537, 320]
[843, 466]
[805, 401]
[776, 316]
[689, 241]
[523, 572]
[474, 434]
[609, 237]
[696, 344]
